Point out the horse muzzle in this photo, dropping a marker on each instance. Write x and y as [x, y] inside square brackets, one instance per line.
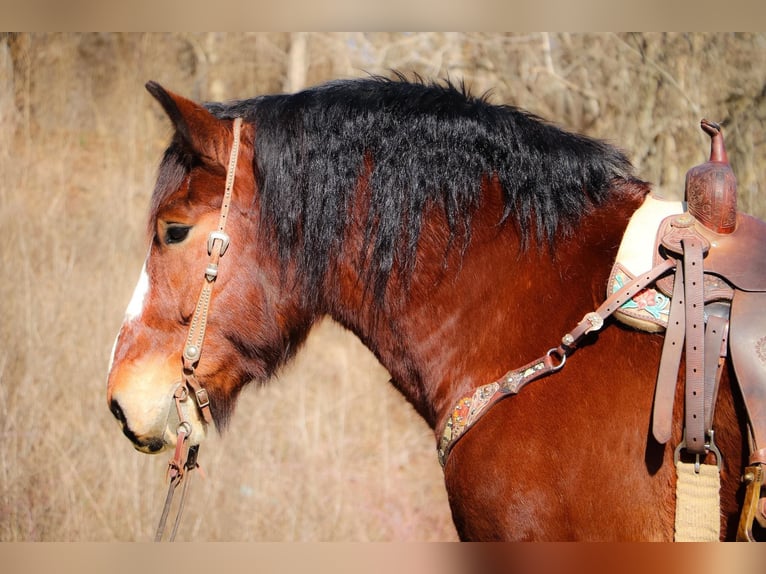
[148, 411]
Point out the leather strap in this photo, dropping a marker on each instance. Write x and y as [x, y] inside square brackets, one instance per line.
[686, 321]
[179, 467]
[469, 409]
[670, 361]
[716, 347]
[594, 320]
[185, 456]
[695, 343]
[217, 244]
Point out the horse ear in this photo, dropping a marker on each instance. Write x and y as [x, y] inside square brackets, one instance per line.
[203, 133]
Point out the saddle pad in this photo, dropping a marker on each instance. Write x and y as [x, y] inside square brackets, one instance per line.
[636, 252]
[648, 310]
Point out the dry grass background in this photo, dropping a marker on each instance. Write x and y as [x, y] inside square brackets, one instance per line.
[329, 451]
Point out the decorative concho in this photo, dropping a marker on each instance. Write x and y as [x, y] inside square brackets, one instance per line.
[480, 399]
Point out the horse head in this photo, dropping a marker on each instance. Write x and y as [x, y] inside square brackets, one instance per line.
[251, 328]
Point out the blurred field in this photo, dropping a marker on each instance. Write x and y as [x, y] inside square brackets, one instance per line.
[329, 451]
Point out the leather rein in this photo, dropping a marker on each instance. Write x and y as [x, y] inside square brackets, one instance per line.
[185, 457]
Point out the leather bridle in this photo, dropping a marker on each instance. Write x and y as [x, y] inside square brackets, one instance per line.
[185, 457]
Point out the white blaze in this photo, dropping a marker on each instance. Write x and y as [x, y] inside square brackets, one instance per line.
[136, 305]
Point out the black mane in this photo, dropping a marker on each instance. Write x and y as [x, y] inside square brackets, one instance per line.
[425, 143]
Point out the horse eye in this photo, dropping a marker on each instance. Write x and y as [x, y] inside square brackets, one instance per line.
[176, 233]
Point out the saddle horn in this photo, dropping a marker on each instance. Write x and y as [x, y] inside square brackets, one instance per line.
[711, 187]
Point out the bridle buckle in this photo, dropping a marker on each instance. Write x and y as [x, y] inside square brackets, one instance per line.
[203, 400]
[217, 236]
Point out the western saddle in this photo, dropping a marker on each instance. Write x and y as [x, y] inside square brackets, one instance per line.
[716, 305]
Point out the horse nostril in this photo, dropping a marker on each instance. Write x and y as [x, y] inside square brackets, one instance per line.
[114, 406]
[152, 444]
[155, 445]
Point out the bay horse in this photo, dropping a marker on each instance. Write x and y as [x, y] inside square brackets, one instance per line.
[457, 239]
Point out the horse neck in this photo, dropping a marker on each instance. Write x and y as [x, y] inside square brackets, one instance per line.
[464, 321]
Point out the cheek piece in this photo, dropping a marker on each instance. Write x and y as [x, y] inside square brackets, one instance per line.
[185, 457]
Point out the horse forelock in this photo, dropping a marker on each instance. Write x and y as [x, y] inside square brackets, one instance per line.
[414, 145]
[174, 167]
